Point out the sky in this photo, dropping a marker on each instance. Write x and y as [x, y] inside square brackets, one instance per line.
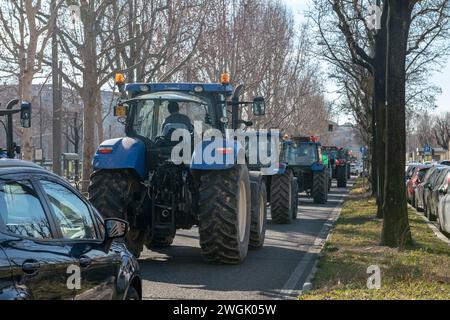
[441, 79]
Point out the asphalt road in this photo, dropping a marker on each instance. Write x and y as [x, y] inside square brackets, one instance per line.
[277, 271]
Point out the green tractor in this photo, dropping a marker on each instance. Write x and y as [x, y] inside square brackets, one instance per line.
[303, 156]
[282, 185]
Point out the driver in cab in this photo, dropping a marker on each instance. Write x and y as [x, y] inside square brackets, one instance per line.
[176, 117]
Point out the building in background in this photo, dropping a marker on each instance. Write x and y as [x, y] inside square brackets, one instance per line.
[72, 119]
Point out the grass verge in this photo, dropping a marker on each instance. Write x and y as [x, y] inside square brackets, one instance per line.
[421, 271]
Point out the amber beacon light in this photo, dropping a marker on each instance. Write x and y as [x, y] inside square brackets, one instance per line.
[225, 78]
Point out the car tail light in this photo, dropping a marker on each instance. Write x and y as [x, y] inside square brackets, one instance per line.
[105, 150]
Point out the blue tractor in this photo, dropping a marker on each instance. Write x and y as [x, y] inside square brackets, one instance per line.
[282, 186]
[304, 157]
[138, 178]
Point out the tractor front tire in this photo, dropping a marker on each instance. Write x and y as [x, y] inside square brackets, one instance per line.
[320, 187]
[281, 195]
[259, 211]
[225, 215]
[111, 193]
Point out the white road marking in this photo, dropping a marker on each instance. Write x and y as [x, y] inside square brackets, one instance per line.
[289, 289]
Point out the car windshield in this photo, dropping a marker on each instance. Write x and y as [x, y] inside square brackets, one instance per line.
[300, 154]
[151, 117]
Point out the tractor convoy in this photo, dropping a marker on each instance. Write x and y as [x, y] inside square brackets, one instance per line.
[178, 167]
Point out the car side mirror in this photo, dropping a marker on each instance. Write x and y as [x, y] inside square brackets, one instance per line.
[259, 106]
[25, 114]
[442, 191]
[115, 229]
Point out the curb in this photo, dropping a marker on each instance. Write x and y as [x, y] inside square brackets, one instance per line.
[311, 256]
[432, 226]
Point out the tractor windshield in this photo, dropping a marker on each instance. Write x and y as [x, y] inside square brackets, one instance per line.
[301, 154]
[158, 113]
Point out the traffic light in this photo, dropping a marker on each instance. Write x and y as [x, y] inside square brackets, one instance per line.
[25, 114]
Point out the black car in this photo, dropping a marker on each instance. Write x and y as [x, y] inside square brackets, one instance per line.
[55, 245]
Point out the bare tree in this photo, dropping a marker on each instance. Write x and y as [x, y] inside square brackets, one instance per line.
[441, 130]
[24, 34]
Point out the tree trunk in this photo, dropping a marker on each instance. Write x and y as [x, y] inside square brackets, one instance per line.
[379, 105]
[396, 231]
[374, 155]
[26, 139]
[89, 90]
[99, 117]
[89, 101]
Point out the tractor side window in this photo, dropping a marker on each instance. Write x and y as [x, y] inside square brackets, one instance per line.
[143, 124]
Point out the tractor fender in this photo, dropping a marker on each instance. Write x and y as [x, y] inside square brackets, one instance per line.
[317, 167]
[219, 154]
[122, 153]
[275, 169]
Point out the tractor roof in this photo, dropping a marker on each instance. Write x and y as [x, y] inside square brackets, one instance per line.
[142, 88]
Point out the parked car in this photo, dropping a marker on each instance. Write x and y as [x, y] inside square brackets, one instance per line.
[443, 213]
[428, 189]
[356, 169]
[412, 184]
[445, 163]
[410, 170]
[420, 189]
[436, 194]
[55, 245]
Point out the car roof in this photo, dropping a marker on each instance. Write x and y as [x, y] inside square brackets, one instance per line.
[11, 166]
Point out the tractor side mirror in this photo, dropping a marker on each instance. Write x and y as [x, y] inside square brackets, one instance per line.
[25, 114]
[259, 106]
[120, 110]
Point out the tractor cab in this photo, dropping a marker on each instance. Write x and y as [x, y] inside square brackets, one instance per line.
[153, 112]
[303, 152]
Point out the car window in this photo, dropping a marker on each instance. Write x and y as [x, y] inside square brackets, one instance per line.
[422, 174]
[72, 214]
[22, 212]
[435, 176]
[442, 177]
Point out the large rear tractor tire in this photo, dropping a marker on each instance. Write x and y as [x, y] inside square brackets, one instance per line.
[341, 177]
[281, 195]
[225, 215]
[259, 211]
[320, 187]
[111, 193]
[294, 199]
